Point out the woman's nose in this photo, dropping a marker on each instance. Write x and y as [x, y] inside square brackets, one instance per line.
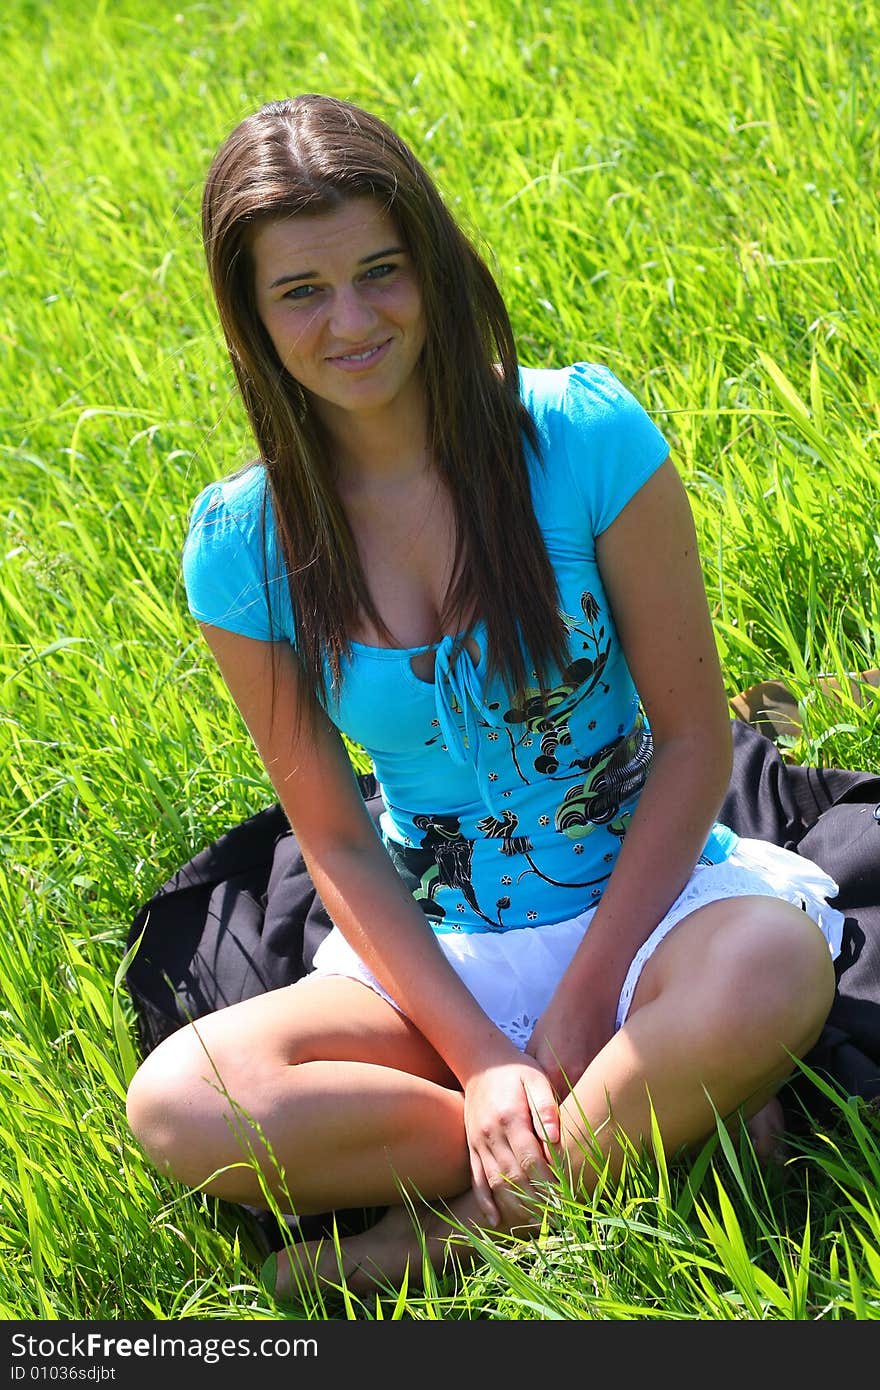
[352, 316]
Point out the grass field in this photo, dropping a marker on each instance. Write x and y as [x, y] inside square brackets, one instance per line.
[686, 193]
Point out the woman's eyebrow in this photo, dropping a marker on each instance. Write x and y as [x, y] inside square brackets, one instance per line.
[313, 274]
[377, 255]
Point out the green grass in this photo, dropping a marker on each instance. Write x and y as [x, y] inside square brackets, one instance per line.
[686, 194]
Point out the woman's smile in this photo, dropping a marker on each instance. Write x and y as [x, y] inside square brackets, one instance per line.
[362, 359]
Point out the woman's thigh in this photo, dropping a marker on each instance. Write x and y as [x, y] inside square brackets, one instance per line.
[750, 961]
[313, 1080]
[326, 1019]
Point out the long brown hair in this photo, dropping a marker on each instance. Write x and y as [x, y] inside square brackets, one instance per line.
[309, 155]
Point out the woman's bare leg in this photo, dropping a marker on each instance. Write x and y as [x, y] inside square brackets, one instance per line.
[346, 1094]
[766, 1132]
[734, 991]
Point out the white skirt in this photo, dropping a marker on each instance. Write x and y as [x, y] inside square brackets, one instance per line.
[513, 974]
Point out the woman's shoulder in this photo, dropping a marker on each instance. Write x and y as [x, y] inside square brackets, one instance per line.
[584, 390]
[229, 555]
[594, 436]
[585, 405]
[236, 501]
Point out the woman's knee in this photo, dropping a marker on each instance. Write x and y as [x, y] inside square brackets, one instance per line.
[182, 1102]
[772, 978]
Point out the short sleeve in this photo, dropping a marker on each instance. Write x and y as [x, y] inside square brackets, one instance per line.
[611, 444]
[223, 568]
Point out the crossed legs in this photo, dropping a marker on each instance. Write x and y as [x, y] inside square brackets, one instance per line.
[343, 1103]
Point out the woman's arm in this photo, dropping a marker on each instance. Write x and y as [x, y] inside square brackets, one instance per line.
[366, 898]
[651, 571]
[352, 872]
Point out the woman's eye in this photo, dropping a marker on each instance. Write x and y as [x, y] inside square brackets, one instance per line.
[378, 272]
[300, 292]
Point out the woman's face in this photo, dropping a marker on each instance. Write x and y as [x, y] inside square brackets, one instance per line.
[338, 295]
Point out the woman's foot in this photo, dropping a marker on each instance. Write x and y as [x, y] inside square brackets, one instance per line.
[766, 1131]
[396, 1247]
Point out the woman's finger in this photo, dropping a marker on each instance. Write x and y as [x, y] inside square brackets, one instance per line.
[513, 1183]
[483, 1192]
[544, 1108]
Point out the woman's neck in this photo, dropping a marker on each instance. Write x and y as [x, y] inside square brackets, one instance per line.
[381, 448]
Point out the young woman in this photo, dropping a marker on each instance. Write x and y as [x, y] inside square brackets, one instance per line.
[487, 576]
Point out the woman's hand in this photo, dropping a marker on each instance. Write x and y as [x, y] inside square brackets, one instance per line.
[568, 1035]
[512, 1120]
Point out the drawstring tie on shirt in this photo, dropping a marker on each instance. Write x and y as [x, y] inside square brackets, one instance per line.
[458, 691]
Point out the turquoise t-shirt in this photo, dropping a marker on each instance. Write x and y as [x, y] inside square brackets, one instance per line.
[496, 815]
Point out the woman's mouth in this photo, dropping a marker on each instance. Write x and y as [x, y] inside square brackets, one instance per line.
[364, 357]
